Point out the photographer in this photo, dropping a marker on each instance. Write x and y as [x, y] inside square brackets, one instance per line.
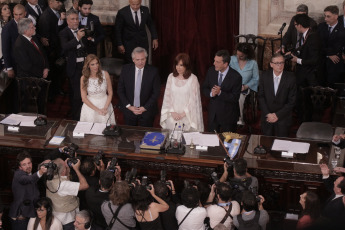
[166, 191]
[63, 192]
[224, 207]
[252, 210]
[25, 191]
[241, 181]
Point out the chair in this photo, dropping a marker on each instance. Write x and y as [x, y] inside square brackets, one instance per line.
[113, 66]
[33, 94]
[322, 101]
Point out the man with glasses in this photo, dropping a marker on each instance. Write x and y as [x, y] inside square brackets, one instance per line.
[277, 97]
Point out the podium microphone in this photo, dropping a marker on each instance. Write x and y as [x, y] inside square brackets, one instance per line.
[281, 28]
[111, 130]
[181, 135]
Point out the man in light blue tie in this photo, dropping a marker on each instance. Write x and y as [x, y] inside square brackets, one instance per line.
[138, 90]
[223, 86]
[277, 98]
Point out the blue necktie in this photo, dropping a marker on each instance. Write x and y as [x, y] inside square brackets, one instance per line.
[137, 90]
[220, 79]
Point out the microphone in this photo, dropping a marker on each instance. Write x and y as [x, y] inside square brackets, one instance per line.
[172, 134]
[281, 28]
[181, 135]
[111, 130]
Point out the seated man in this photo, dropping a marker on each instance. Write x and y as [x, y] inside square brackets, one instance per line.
[252, 209]
[216, 212]
[242, 180]
[63, 192]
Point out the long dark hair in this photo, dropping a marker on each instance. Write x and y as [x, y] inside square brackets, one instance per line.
[48, 205]
[2, 20]
[312, 205]
[141, 198]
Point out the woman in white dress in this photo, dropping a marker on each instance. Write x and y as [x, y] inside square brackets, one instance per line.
[182, 103]
[45, 219]
[96, 93]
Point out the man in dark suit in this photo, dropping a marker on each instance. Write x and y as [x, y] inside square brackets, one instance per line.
[35, 8]
[130, 29]
[138, 90]
[223, 86]
[291, 36]
[277, 97]
[91, 23]
[332, 35]
[51, 22]
[75, 54]
[342, 17]
[8, 38]
[333, 208]
[25, 192]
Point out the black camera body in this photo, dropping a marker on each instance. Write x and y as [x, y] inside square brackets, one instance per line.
[70, 152]
[214, 177]
[144, 182]
[98, 157]
[112, 165]
[229, 162]
[51, 167]
[131, 176]
[293, 52]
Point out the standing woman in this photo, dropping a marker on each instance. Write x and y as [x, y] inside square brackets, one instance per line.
[182, 103]
[243, 62]
[96, 93]
[5, 16]
[311, 210]
[45, 219]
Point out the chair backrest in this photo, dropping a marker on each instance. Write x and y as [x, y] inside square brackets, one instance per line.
[322, 100]
[33, 94]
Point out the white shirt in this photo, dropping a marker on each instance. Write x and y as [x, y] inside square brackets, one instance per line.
[82, 20]
[195, 219]
[279, 77]
[67, 188]
[138, 13]
[56, 224]
[34, 8]
[217, 213]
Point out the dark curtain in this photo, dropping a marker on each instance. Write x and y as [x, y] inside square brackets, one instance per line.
[197, 27]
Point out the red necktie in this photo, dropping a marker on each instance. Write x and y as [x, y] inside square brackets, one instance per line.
[38, 49]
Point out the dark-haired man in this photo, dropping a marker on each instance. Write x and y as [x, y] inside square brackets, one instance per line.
[216, 212]
[223, 86]
[277, 98]
[25, 191]
[91, 22]
[130, 29]
[35, 8]
[332, 35]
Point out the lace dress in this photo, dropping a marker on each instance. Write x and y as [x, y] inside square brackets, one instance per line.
[182, 96]
[97, 95]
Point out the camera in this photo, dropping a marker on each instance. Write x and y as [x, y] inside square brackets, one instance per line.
[112, 165]
[98, 157]
[163, 177]
[89, 31]
[70, 152]
[131, 176]
[254, 190]
[144, 182]
[215, 179]
[289, 56]
[229, 163]
[51, 166]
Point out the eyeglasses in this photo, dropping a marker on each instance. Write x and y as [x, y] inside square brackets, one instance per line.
[40, 210]
[278, 63]
[78, 223]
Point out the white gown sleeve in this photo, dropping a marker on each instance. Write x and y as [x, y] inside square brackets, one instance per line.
[167, 106]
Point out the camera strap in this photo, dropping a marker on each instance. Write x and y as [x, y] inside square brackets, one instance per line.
[112, 221]
[227, 214]
[185, 217]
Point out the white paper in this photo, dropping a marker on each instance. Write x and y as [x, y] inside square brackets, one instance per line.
[201, 139]
[12, 119]
[290, 146]
[28, 121]
[97, 129]
[56, 140]
[82, 128]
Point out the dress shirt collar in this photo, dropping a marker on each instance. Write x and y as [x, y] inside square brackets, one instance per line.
[55, 12]
[27, 37]
[136, 70]
[305, 34]
[224, 73]
[332, 27]
[278, 76]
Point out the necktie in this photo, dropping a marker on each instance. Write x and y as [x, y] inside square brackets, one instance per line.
[220, 78]
[329, 30]
[57, 15]
[136, 18]
[137, 90]
[38, 10]
[302, 40]
[32, 41]
[300, 36]
[276, 84]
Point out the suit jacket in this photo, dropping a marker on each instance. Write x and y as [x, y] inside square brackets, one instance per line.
[69, 49]
[32, 12]
[290, 37]
[341, 20]
[24, 188]
[333, 208]
[283, 102]
[128, 34]
[29, 62]
[94, 199]
[309, 53]
[8, 38]
[225, 106]
[91, 46]
[150, 87]
[49, 28]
